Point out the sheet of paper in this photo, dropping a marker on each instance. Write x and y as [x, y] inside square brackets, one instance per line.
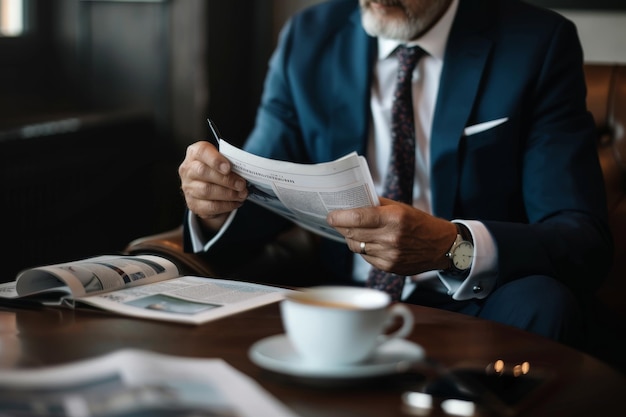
[136, 382]
[187, 299]
[305, 193]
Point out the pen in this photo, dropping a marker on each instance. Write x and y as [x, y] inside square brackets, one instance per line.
[215, 134]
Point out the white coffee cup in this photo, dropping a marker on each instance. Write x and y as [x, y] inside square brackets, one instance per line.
[336, 325]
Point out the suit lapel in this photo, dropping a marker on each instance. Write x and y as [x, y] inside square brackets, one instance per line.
[350, 88]
[466, 54]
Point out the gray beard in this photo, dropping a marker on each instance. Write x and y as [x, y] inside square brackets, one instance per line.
[400, 31]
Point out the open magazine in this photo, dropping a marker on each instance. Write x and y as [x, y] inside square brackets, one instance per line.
[133, 382]
[145, 286]
[305, 193]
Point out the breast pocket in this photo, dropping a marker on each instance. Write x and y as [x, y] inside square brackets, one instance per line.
[490, 173]
[484, 126]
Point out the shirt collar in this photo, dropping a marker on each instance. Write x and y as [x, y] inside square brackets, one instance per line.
[433, 42]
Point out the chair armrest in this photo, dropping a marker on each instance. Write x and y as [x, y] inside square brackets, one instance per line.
[291, 259]
[169, 244]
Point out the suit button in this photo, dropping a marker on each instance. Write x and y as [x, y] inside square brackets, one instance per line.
[477, 288]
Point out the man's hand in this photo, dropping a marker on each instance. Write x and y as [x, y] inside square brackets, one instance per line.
[398, 238]
[211, 189]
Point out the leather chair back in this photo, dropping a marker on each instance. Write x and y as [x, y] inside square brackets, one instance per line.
[606, 99]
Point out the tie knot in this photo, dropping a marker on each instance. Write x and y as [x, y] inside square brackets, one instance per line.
[408, 57]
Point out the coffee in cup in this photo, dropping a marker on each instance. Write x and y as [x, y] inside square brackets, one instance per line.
[337, 325]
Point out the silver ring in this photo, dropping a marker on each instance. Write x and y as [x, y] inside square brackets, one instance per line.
[362, 246]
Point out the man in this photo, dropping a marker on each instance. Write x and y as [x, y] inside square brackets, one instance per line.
[505, 165]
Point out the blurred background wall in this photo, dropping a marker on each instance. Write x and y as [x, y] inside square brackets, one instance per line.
[99, 99]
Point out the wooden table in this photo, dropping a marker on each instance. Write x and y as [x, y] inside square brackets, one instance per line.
[582, 385]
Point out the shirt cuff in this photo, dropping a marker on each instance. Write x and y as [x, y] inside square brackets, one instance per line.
[483, 272]
[199, 243]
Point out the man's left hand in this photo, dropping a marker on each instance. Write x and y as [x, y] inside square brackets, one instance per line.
[398, 238]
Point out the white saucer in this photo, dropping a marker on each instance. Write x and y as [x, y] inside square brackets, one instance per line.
[275, 353]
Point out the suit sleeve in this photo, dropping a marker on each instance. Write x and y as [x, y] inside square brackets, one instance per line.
[567, 234]
[275, 125]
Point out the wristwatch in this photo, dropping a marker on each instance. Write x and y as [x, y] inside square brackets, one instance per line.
[461, 254]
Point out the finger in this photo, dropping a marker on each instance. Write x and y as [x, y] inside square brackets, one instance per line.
[356, 235]
[367, 249]
[205, 163]
[363, 248]
[209, 191]
[209, 200]
[364, 217]
[208, 209]
[207, 153]
[356, 246]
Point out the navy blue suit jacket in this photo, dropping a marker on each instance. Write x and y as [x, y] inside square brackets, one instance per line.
[534, 180]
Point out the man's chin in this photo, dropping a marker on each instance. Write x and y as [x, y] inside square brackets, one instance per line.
[384, 25]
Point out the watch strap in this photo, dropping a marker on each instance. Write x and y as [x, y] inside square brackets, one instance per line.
[462, 230]
[463, 235]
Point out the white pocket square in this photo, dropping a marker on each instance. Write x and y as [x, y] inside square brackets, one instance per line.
[481, 127]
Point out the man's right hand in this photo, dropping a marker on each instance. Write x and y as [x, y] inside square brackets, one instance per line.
[210, 188]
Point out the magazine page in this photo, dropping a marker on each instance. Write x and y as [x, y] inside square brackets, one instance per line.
[188, 299]
[305, 193]
[135, 382]
[59, 283]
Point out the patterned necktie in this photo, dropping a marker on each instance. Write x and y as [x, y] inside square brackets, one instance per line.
[399, 179]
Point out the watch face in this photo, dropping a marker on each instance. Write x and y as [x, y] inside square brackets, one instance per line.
[463, 255]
